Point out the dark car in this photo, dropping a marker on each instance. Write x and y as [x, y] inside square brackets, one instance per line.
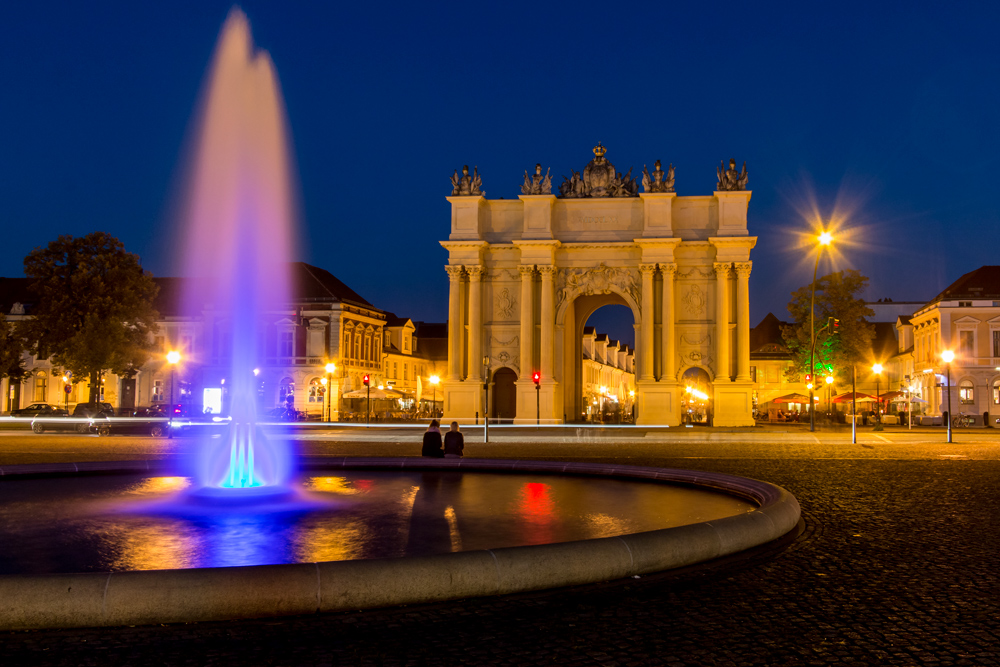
[93, 410]
[82, 420]
[141, 421]
[39, 410]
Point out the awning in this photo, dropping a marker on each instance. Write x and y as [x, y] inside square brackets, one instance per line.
[375, 393]
[793, 398]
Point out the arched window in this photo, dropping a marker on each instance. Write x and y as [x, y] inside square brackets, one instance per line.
[966, 392]
[41, 387]
[317, 390]
[996, 392]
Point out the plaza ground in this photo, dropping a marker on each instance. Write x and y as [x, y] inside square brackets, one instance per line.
[897, 564]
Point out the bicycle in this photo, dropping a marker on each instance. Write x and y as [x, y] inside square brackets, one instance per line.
[963, 420]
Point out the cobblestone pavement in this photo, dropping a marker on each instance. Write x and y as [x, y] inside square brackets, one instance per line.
[897, 564]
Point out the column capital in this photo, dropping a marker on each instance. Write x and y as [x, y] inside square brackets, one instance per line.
[475, 272]
[526, 271]
[722, 269]
[647, 269]
[454, 271]
[743, 269]
[547, 271]
[668, 268]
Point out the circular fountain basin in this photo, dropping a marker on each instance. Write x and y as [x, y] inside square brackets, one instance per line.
[96, 550]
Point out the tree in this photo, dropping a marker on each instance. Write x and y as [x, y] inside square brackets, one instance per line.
[835, 353]
[11, 347]
[94, 311]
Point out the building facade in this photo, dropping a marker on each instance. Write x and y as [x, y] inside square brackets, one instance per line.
[526, 274]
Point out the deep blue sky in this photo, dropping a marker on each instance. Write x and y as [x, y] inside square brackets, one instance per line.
[887, 110]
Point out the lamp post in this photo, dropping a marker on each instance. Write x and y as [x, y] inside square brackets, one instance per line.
[877, 369]
[824, 239]
[434, 380]
[486, 405]
[173, 357]
[330, 369]
[948, 356]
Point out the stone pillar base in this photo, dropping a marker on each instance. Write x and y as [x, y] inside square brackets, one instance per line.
[732, 404]
[547, 401]
[658, 403]
[461, 401]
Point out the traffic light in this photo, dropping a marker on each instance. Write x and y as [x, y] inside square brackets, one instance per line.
[834, 324]
[536, 378]
[366, 380]
[809, 377]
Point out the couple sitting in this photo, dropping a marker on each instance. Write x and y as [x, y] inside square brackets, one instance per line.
[454, 442]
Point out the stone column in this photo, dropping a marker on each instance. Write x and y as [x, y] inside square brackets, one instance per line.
[743, 320]
[454, 322]
[669, 367]
[475, 322]
[548, 322]
[527, 322]
[646, 360]
[722, 321]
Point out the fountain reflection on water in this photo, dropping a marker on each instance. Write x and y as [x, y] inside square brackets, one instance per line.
[239, 221]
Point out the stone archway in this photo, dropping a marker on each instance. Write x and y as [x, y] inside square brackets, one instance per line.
[572, 318]
[681, 264]
[504, 401]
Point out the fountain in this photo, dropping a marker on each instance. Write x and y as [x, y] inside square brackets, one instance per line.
[235, 537]
[239, 225]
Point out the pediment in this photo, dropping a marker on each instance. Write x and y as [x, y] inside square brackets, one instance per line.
[968, 319]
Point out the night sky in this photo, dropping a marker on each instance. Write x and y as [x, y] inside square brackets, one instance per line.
[881, 115]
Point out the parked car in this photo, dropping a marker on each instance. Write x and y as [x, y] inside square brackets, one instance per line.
[81, 421]
[39, 410]
[142, 421]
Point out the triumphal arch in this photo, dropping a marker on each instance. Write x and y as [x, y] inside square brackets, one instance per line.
[526, 274]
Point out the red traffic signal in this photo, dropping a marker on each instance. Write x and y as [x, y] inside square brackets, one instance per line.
[536, 377]
[809, 377]
[366, 380]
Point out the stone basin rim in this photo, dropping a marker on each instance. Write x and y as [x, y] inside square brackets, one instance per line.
[144, 597]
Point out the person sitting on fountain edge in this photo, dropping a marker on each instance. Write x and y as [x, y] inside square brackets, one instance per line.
[432, 442]
[454, 443]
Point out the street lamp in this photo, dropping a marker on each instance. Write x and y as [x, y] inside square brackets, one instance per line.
[330, 369]
[173, 357]
[877, 369]
[824, 239]
[948, 356]
[434, 380]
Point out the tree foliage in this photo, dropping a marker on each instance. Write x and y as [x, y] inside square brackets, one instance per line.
[11, 347]
[837, 295]
[94, 310]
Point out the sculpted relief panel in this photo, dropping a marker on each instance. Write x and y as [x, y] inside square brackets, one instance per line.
[504, 305]
[600, 280]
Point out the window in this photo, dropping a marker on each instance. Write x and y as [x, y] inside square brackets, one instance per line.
[357, 345]
[285, 344]
[967, 343]
[157, 391]
[160, 344]
[41, 387]
[368, 347]
[395, 370]
[996, 392]
[404, 370]
[965, 304]
[347, 345]
[317, 391]
[996, 343]
[966, 392]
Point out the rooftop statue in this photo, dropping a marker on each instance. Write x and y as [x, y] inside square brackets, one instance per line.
[537, 184]
[572, 188]
[730, 179]
[660, 181]
[466, 185]
[623, 186]
[599, 180]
